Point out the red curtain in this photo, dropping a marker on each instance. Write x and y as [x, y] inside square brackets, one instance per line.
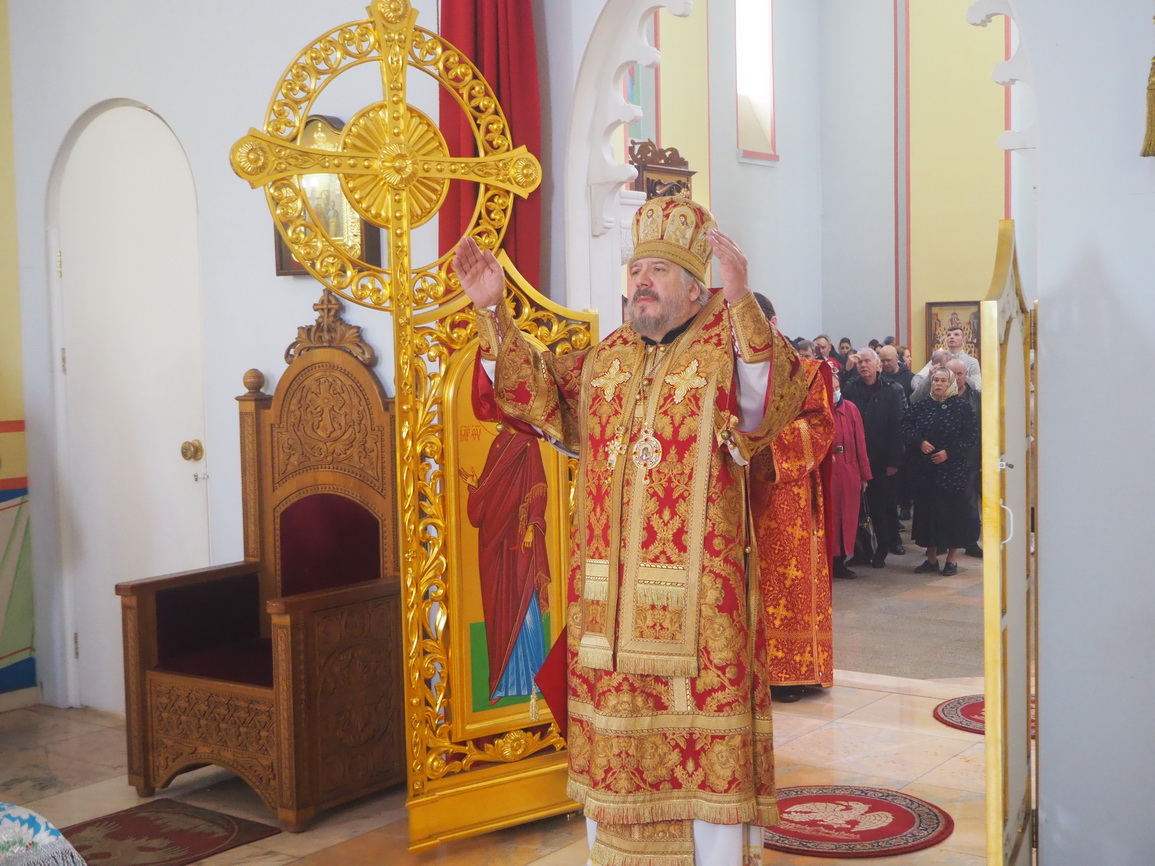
[497, 36]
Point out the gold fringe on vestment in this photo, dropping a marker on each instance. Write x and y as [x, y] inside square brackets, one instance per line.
[654, 665]
[667, 594]
[598, 658]
[636, 808]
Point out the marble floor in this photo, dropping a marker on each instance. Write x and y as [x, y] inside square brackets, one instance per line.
[891, 620]
[869, 729]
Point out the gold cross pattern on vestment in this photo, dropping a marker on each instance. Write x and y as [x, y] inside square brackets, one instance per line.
[393, 163]
[609, 381]
[685, 381]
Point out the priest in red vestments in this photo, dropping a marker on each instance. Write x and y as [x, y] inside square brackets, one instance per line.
[670, 732]
[790, 502]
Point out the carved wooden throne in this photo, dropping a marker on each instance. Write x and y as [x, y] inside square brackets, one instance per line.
[285, 668]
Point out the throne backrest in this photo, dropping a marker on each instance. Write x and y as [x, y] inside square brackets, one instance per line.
[319, 476]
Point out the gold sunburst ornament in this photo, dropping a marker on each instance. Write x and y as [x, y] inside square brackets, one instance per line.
[392, 161]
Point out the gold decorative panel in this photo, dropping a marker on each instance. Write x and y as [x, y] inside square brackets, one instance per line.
[475, 763]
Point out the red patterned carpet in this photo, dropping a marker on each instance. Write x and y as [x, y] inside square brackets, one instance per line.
[161, 833]
[967, 713]
[849, 821]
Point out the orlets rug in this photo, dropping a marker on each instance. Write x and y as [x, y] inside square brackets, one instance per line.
[967, 713]
[850, 821]
[161, 833]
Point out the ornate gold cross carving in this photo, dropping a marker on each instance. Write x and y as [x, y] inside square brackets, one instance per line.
[392, 161]
[394, 169]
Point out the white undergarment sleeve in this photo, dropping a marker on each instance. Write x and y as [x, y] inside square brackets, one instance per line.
[753, 380]
[490, 368]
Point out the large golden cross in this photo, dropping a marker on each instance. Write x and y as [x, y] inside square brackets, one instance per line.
[394, 169]
[392, 161]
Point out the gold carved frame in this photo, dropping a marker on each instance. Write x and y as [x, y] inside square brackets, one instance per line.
[394, 168]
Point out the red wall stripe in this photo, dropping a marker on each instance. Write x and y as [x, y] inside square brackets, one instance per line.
[17, 652]
[11, 426]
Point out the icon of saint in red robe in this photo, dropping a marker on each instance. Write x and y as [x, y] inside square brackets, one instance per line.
[507, 504]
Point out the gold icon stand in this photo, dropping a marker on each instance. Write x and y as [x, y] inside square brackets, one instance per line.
[474, 766]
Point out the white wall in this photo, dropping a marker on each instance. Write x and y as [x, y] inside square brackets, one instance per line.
[773, 209]
[858, 208]
[1097, 596]
[208, 69]
[819, 223]
[562, 33]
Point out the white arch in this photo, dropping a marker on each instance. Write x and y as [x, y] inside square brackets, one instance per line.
[58, 587]
[597, 207]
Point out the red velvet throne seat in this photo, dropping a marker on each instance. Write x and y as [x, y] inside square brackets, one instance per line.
[285, 668]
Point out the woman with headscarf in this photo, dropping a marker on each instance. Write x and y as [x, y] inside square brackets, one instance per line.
[940, 430]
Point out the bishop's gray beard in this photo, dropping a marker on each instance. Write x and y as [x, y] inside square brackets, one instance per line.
[660, 321]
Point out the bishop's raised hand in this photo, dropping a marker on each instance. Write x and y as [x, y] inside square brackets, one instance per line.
[732, 264]
[481, 275]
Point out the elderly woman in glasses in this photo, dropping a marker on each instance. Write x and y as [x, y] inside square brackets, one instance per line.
[941, 430]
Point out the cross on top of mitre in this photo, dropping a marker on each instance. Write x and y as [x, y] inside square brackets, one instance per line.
[393, 163]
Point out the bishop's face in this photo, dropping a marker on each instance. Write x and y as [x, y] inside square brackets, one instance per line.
[659, 297]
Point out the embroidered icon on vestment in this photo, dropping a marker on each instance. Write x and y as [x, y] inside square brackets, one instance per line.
[647, 451]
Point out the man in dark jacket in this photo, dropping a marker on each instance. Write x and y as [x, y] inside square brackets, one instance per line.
[881, 405]
[893, 370]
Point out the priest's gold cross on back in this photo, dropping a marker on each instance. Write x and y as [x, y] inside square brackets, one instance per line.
[393, 162]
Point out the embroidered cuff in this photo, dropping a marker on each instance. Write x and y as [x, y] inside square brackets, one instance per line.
[488, 339]
[753, 333]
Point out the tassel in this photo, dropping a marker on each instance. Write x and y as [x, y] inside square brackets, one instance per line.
[1149, 138]
[533, 714]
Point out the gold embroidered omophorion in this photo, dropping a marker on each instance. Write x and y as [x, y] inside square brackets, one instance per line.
[669, 703]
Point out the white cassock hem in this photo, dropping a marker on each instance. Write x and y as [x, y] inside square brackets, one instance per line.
[714, 844]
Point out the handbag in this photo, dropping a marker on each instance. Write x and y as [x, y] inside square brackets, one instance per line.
[864, 537]
[864, 522]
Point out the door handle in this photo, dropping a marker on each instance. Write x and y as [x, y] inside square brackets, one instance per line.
[1010, 524]
[192, 450]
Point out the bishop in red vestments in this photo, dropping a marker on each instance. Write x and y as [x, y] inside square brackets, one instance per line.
[670, 734]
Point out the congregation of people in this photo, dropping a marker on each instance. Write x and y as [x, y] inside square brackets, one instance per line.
[906, 448]
[883, 445]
